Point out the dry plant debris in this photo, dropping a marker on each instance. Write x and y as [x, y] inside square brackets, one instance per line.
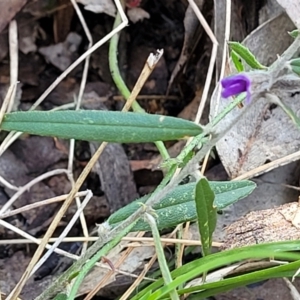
[270, 225]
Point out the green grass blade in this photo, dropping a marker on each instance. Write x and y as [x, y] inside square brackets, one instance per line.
[215, 261]
[91, 125]
[209, 289]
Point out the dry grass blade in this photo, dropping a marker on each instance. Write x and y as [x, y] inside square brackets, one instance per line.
[111, 272]
[137, 242]
[212, 60]
[140, 278]
[14, 59]
[31, 239]
[147, 70]
[8, 99]
[269, 166]
[27, 186]
[8, 184]
[224, 60]
[64, 233]
[293, 291]
[38, 204]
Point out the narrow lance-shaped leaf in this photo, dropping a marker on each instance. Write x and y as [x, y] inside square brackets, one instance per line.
[246, 55]
[92, 125]
[178, 206]
[236, 61]
[206, 212]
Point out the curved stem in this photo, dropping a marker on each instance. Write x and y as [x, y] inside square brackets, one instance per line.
[121, 85]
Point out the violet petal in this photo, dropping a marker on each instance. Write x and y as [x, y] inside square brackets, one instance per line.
[235, 85]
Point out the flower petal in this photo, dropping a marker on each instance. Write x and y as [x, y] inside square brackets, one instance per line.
[235, 85]
[234, 89]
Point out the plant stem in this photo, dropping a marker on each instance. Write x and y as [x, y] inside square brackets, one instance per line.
[161, 255]
[199, 138]
[275, 99]
[280, 63]
[121, 85]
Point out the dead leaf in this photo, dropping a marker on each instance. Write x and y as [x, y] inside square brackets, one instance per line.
[137, 14]
[14, 170]
[27, 32]
[270, 192]
[99, 6]
[45, 153]
[62, 21]
[270, 225]
[191, 37]
[115, 175]
[8, 10]
[63, 54]
[270, 10]
[292, 8]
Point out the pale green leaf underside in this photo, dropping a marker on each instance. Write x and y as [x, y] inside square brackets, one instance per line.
[179, 205]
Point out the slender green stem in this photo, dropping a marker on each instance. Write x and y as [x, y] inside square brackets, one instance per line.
[161, 255]
[114, 67]
[237, 100]
[275, 99]
[121, 85]
[199, 138]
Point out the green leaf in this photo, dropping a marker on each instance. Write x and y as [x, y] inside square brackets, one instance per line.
[91, 125]
[73, 275]
[294, 33]
[236, 61]
[145, 297]
[61, 297]
[226, 284]
[296, 69]
[295, 62]
[179, 205]
[278, 251]
[246, 55]
[295, 65]
[206, 213]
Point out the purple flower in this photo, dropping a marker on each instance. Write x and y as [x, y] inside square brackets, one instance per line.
[235, 85]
